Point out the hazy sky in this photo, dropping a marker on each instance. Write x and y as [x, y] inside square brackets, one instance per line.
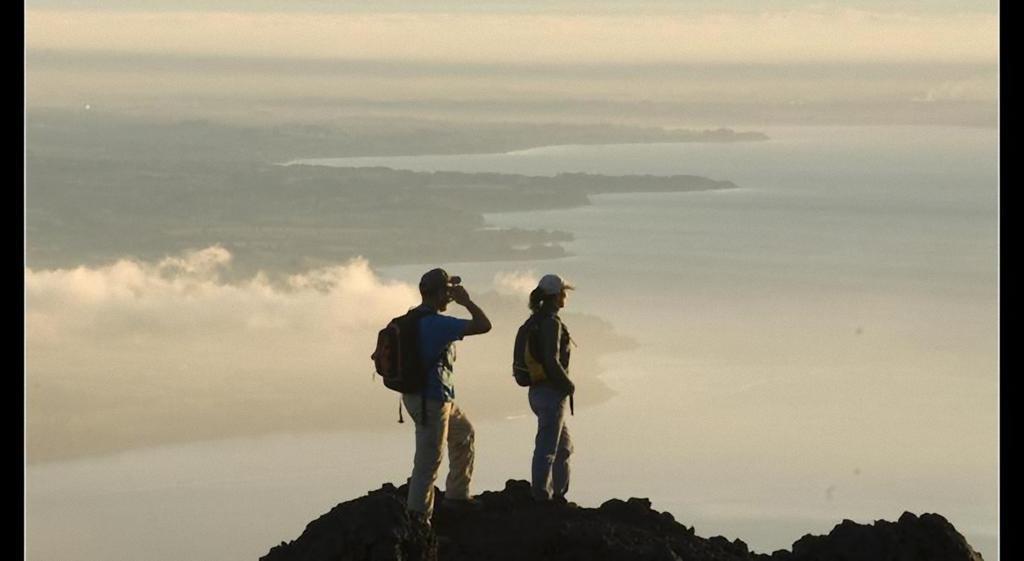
[631, 6]
[781, 32]
[166, 56]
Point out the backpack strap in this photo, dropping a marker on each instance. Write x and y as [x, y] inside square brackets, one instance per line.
[418, 313]
[422, 313]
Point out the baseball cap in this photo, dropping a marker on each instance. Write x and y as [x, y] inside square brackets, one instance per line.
[434, 280]
[553, 284]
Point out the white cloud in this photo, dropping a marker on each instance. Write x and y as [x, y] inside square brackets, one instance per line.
[186, 294]
[515, 283]
[137, 352]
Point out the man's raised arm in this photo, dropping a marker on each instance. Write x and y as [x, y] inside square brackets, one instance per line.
[479, 324]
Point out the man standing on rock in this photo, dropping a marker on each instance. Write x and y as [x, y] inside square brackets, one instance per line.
[435, 412]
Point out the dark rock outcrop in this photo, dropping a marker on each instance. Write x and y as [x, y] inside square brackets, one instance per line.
[511, 527]
[929, 536]
[373, 527]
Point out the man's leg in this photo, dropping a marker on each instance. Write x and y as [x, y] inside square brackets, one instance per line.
[547, 405]
[427, 460]
[461, 451]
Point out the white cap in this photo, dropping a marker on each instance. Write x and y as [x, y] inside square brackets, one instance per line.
[552, 284]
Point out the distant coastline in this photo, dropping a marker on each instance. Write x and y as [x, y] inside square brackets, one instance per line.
[353, 161]
[668, 136]
[148, 189]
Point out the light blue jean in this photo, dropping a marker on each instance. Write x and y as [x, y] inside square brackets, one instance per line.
[553, 445]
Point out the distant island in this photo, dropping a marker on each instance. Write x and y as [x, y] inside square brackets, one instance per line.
[109, 137]
[147, 190]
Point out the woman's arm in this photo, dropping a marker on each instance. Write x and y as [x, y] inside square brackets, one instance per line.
[550, 332]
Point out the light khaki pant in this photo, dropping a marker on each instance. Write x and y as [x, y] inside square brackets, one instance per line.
[445, 421]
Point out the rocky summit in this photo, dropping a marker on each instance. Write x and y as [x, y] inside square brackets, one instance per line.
[510, 526]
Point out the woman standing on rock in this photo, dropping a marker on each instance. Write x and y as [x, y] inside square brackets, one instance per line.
[542, 363]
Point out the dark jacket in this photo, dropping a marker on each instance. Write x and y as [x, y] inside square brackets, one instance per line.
[554, 341]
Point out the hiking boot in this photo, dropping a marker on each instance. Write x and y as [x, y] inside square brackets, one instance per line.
[556, 501]
[562, 501]
[471, 503]
[419, 519]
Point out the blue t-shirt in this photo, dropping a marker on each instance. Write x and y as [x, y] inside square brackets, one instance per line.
[436, 334]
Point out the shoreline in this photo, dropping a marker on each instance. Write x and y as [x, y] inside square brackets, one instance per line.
[323, 161]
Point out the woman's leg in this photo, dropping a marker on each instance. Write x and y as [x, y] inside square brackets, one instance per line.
[548, 405]
[560, 470]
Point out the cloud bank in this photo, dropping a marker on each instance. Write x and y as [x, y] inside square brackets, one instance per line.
[68, 307]
[134, 353]
[141, 353]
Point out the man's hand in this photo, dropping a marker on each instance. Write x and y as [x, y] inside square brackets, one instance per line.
[460, 295]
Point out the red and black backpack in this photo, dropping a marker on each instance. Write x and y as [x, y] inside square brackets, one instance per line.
[396, 357]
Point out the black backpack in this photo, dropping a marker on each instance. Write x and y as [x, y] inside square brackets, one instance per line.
[396, 358]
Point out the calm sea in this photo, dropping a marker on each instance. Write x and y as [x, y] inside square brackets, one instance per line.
[819, 344]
